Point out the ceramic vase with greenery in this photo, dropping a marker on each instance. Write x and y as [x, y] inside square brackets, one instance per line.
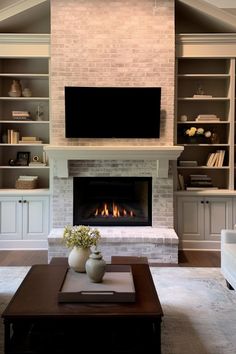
[80, 239]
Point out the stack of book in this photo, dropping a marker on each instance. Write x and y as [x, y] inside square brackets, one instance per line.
[30, 140]
[37, 164]
[188, 163]
[216, 159]
[207, 118]
[200, 182]
[21, 115]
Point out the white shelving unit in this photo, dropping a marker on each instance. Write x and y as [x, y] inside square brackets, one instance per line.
[205, 61]
[24, 213]
[216, 78]
[33, 73]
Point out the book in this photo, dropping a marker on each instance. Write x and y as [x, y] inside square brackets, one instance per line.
[199, 188]
[37, 164]
[20, 113]
[210, 158]
[30, 142]
[202, 96]
[188, 163]
[206, 116]
[181, 182]
[28, 178]
[28, 138]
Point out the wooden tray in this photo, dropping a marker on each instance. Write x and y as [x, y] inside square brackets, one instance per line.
[117, 286]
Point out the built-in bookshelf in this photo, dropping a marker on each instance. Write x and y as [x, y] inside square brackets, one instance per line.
[205, 120]
[24, 119]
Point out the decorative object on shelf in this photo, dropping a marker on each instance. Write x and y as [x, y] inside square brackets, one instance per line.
[95, 266]
[36, 162]
[39, 112]
[199, 90]
[80, 238]
[27, 92]
[23, 158]
[198, 135]
[183, 118]
[26, 182]
[215, 139]
[16, 89]
[11, 162]
[4, 137]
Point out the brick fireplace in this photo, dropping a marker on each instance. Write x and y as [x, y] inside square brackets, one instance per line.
[114, 44]
[158, 241]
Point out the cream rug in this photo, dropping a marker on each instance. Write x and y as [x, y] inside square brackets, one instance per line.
[199, 310]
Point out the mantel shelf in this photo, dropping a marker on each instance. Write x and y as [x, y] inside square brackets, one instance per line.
[62, 154]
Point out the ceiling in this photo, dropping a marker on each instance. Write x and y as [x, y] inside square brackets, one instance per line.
[34, 19]
[192, 16]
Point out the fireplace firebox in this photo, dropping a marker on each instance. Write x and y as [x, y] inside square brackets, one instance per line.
[112, 201]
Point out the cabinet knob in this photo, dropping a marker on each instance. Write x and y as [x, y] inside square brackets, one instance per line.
[207, 201]
[19, 201]
[24, 201]
[202, 202]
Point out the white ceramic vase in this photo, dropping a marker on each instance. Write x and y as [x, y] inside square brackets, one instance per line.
[78, 257]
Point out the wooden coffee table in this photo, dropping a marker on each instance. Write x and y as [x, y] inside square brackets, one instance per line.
[36, 323]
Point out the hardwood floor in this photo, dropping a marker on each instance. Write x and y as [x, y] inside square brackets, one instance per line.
[186, 258]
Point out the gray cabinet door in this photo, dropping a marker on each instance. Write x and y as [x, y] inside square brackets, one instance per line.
[218, 216]
[10, 218]
[190, 218]
[35, 217]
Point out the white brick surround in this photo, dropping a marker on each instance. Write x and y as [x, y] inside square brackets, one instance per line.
[115, 43]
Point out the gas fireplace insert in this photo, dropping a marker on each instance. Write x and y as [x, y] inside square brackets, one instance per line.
[116, 201]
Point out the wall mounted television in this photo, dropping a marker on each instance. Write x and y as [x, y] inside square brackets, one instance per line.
[112, 112]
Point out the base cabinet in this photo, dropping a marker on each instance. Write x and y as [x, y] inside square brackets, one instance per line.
[24, 217]
[201, 219]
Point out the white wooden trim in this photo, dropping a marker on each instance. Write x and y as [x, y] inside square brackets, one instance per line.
[23, 244]
[61, 155]
[25, 38]
[221, 45]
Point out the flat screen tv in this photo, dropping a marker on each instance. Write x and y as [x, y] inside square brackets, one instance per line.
[112, 112]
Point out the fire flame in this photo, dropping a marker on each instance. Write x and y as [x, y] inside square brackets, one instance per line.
[113, 211]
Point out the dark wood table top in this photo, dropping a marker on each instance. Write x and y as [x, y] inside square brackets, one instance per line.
[37, 297]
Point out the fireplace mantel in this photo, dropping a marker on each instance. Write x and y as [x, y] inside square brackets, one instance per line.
[62, 154]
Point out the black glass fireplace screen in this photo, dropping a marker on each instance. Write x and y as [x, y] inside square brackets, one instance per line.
[116, 201]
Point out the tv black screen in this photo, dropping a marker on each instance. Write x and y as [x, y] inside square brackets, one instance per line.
[112, 112]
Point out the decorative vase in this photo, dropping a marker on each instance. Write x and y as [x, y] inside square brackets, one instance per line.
[95, 267]
[16, 89]
[78, 257]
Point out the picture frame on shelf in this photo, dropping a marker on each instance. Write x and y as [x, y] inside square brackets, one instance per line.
[23, 158]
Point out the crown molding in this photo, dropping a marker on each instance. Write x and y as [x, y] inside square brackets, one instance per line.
[10, 38]
[196, 38]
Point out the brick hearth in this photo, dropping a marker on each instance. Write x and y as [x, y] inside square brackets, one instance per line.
[158, 245]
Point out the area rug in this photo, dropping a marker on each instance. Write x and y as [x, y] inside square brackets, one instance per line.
[199, 310]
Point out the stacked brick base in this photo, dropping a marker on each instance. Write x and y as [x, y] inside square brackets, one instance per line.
[159, 245]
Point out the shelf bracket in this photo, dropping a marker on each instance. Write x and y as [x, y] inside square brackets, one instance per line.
[61, 168]
[162, 168]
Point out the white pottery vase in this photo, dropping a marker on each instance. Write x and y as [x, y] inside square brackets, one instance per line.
[95, 267]
[78, 257]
